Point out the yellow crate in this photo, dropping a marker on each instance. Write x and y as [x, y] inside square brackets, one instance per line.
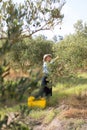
[32, 102]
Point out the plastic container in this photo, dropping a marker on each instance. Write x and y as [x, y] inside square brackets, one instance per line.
[32, 102]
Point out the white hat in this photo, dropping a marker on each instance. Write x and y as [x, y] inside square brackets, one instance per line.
[45, 56]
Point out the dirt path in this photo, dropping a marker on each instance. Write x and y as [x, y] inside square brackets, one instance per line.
[64, 124]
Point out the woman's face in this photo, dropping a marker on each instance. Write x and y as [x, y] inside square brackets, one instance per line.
[48, 58]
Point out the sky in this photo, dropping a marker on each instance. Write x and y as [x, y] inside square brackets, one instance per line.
[73, 10]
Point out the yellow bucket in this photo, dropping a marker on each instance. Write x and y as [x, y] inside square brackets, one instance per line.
[32, 102]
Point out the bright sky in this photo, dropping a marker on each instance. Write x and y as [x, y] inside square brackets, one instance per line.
[73, 10]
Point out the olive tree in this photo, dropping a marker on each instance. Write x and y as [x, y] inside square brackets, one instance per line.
[28, 18]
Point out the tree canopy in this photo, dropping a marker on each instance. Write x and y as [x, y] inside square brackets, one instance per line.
[20, 20]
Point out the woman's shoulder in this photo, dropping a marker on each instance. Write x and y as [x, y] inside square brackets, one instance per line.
[44, 63]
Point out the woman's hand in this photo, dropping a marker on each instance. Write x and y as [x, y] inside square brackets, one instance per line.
[57, 58]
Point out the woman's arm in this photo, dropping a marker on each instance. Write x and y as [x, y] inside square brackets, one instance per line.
[55, 59]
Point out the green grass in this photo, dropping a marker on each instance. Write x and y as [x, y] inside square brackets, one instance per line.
[5, 110]
[63, 90]
[49, 117]
[82, 75]
[46, 115]
[69, 87]
[70, 91]
[37, 114]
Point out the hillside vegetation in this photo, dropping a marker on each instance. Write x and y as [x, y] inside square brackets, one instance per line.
[21, 59]
[66, 109]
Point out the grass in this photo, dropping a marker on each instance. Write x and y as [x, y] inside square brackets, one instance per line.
[45, 115]
[5, 111]
[49, 117]
[64, 90]
[68, 88]
[78, 83]
[70, 91]
[37, 114]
